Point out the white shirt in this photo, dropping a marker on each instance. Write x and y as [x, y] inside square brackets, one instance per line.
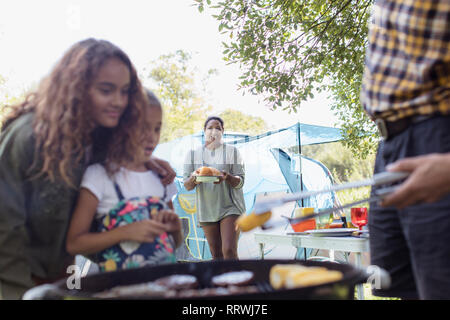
[224, 154]
[131, 183]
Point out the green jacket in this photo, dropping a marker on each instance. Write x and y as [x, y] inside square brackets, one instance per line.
[34, 214]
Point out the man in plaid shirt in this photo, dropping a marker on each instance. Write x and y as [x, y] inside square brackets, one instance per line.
[406, 91]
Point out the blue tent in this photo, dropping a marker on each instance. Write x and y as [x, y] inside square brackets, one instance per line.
[311, 169]
[270, 166]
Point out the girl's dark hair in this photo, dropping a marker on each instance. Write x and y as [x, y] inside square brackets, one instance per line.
[213, 118]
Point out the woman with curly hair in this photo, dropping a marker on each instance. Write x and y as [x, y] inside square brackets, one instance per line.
[91, 99]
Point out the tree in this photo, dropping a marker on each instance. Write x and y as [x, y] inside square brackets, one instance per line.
[290, 49]
[7, 98]
[342, 162]
[344, 166]
[3, 93]
[241, 122]
[173, 81]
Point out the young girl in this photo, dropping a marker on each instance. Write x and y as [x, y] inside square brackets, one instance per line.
[121, 196]
[46, 143]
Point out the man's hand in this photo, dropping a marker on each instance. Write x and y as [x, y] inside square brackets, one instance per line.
[428, 182]
[163, 169]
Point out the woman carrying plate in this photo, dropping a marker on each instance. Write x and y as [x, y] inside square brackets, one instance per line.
[221, 202]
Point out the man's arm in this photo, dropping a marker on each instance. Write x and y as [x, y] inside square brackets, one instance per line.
[428, 182]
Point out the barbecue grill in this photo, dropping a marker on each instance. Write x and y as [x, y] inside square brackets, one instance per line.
[204, 271]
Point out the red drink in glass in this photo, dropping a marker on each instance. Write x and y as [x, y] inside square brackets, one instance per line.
[359, 217]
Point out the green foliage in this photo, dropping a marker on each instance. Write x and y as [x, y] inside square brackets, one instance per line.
[343, 163]
[174, 83]
[3, 96]
[240, 122]
[359, 131]
[7, 98]
[352, 195]
[368, 294]
[344, 166]
[289, 49]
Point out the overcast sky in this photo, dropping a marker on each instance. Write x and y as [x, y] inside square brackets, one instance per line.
[35, 33]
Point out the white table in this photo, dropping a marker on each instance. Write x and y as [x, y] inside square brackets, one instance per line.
[344, 244]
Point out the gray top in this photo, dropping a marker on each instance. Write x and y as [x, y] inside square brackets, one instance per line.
[216, 201]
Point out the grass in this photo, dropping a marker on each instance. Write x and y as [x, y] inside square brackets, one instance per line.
[368, 294]
[351, 195]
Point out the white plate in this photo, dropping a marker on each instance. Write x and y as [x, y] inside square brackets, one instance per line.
[207, 179]
[335, 232]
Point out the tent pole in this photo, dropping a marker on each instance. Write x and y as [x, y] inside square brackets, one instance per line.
[300, 160]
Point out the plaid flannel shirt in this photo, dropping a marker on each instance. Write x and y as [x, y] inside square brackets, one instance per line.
[407, 71]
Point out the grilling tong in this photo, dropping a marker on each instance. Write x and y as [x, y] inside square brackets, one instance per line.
[264, 207]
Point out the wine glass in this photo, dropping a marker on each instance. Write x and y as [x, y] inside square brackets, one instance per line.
[359, 217]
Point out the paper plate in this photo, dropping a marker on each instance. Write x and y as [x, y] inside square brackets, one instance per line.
[207, 179]
[336, 232]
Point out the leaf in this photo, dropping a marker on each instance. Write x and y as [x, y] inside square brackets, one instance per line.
[288, 50]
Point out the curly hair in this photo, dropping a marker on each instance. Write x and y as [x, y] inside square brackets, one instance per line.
[62, 123]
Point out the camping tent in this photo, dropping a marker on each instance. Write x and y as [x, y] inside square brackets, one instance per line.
[273, 163]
